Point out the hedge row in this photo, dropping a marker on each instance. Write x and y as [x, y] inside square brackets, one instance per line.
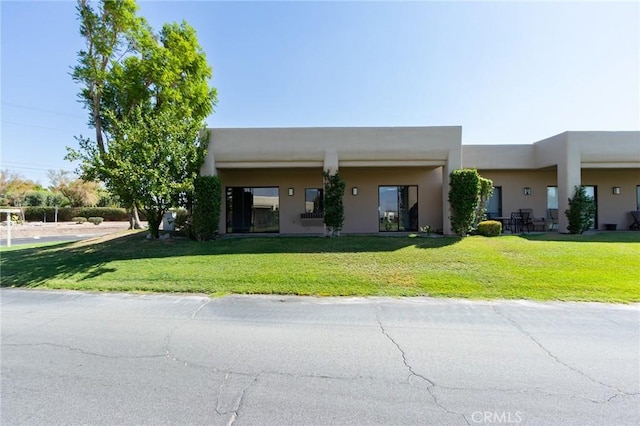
[66, 214]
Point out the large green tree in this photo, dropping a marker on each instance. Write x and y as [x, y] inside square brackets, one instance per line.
[150, 80]
[161, 153]
[110, 31]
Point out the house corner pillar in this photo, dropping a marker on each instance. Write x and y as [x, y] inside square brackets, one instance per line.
[569, 176]
[331, 161]
[209, 168]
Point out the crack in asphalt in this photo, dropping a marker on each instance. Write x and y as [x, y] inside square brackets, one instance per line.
[226, 377]
[430, 383]
[533, 391]
[193, 316]
[318, 376]
[404, 356]
[82, 351]
[550, 354]
[235, 413]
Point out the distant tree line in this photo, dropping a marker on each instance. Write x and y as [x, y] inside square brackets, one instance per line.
[64, 190]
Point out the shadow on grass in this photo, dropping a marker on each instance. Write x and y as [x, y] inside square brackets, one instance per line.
[34, 266]
[588, 237]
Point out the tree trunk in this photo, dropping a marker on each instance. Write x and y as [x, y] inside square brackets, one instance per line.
[134, 218]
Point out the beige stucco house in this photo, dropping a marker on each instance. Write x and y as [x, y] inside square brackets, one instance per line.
[398, 177]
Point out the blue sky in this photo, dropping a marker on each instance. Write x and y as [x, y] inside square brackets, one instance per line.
[507, 72]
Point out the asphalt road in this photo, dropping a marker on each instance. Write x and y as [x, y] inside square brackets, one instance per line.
[47, 239]
[71, 358]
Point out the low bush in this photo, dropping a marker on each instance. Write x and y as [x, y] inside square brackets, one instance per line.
[68, 214]
[79, 219]
[111, 214]
[490, 228]
[182, 224]
[96, 220]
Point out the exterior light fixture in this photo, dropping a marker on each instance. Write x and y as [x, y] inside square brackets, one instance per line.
[354, 190]
[616, 190]
[290, 192]
[527, 190]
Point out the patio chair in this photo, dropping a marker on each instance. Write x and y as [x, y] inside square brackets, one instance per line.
[515, 223]
[525, 221]
[553, 218]
[532, 222]
[635, 226]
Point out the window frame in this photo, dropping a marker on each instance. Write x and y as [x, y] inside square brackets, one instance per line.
[496, 190]
[251, 229]
[318, 201]
[397, 224]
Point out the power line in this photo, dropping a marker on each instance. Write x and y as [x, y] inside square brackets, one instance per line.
[31, 169]
[38, 127]
[42, 110]
[35, 169]
[23, 163]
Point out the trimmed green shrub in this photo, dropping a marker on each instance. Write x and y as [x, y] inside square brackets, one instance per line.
[41, 214]
[67, 214]
[333, 203]
[111, 214]
[182, 220]
[95, 220]
[463, 199]
[182, 223]
[490, 228]
[79, 219]
[581, 211]
[207, 197]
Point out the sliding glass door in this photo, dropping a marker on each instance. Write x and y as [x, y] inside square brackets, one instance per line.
[398, 208]
[253, 210]
[592, 191]
[494, 205]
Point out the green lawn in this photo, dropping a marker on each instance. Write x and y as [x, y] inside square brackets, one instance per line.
[600, 267]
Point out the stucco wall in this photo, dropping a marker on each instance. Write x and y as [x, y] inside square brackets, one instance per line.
[373, 156]
[361, 211]
[614, 148]
[513, 183]
[290, 207]
[498, 157]
[611, 208]
[614, 208]
[326, 147]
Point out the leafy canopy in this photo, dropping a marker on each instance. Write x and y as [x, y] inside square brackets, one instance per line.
[147, 95]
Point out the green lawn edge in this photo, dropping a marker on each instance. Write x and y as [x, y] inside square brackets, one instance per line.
[599, 267]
